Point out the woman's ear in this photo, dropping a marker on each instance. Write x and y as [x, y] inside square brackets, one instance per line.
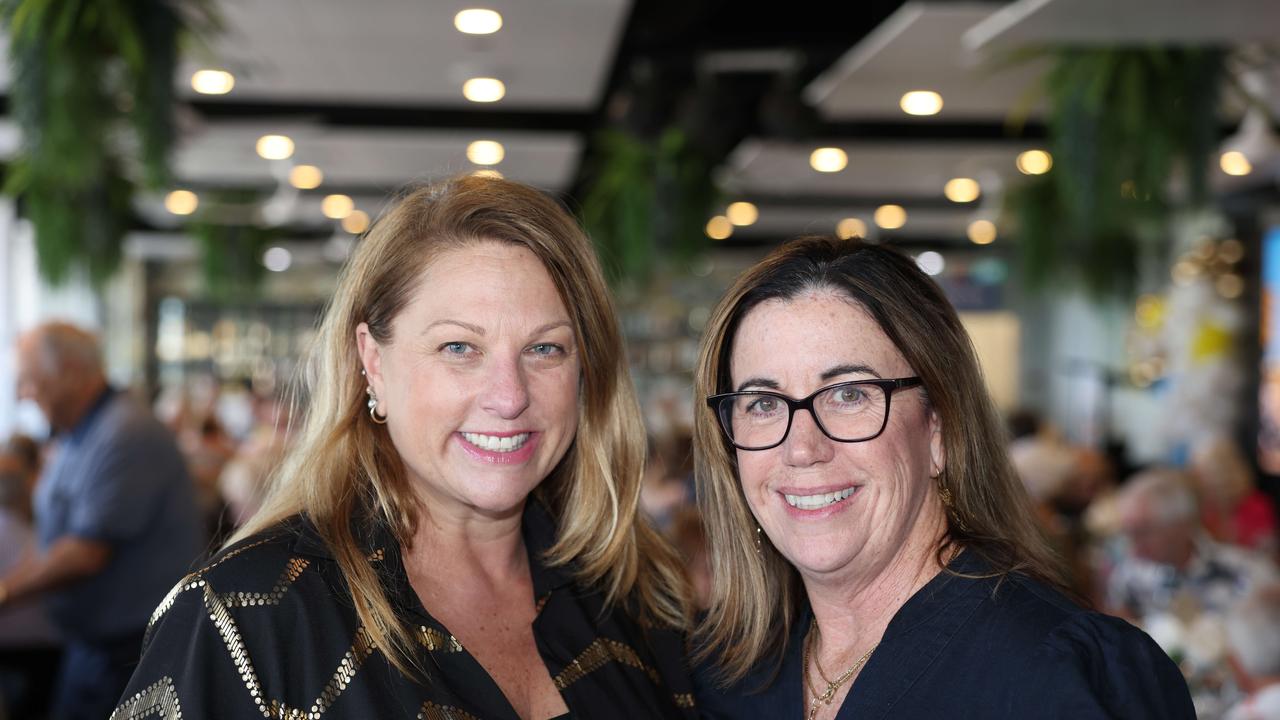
[937, 449]
[370, 357]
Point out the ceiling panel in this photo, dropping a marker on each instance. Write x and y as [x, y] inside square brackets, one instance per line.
[879, 169]
[223, 154]
[1132, 22]
[919, 48]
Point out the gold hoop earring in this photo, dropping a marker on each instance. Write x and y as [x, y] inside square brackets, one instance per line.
[373, 407]
[949, 504]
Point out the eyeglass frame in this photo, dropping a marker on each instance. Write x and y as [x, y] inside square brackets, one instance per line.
[888, 386]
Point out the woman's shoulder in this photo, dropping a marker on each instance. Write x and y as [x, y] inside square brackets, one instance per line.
[1062, 653]
[1028, 610]
[263, 570]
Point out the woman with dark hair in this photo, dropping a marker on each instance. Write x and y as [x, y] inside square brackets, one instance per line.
[454, 531]
[874, 554]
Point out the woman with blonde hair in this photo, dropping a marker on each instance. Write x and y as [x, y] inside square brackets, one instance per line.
[454, 533]
[874, 554]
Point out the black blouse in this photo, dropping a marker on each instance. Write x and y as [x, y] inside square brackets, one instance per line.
[267, 629]
[963, 647]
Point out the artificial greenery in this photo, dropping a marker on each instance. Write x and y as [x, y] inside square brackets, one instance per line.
[92, 94]
[1122, 124]
[648, 201]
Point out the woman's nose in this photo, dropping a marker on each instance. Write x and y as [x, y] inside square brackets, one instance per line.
[806, 444]
[507, 390]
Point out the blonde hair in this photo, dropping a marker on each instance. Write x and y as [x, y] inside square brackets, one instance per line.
[755, 597]
[343, 468]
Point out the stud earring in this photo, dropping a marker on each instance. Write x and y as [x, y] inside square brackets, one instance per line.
[373, 407]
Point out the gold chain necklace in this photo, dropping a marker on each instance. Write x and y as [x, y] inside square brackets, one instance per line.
[832, 685]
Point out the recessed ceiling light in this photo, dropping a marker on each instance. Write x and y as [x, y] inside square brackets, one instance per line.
[828, 159]
[1235, 162]
[212, 82]
[982, 232]
[962, 190]
[931, 262]
[478, 21]
[277, 259]
[719, 228]
[921, 102]
[181, 202]
[356, 222]
[306, 177]
[742, 213]
[484, 89]
[486, 152]
[850, 228]
[1034, 162]
[890, 217]
[336, 207]
[275, 147]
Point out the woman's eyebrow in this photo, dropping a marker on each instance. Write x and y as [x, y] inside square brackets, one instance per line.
[839, 370]
[759, 382]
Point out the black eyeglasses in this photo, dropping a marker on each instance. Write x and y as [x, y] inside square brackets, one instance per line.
[849, 412]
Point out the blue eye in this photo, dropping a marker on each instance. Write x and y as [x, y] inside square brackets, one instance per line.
[455, 348]
[546, 349]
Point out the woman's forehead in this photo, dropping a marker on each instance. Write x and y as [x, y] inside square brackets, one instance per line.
[809, 334]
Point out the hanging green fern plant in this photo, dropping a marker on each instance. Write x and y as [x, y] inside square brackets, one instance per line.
[92, 80]
[232, 244]
[648, 201]
[1122, 123]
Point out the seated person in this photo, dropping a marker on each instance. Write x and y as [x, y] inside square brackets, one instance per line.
[1171, 563]
[1253, 636]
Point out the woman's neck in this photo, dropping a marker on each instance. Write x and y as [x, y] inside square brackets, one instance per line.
[484, 548]
[853, 608]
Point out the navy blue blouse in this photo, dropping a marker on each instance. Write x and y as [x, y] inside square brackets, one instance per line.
[979, 648]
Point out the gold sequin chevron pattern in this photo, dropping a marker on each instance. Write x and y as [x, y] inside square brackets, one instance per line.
[436, 711]
[436, 641]
[597, 654]
[160, 699]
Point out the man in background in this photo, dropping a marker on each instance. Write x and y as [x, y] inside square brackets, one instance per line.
[1172, 563]
[116, 518]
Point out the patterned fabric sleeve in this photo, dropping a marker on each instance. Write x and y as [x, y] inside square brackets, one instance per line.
[186, 669]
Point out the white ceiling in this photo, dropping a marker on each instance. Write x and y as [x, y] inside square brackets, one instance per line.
[919, 48]
[552, 54]
[876, 169]
[223, 153]
[555, 55]
[954, 49]
[1136, 22]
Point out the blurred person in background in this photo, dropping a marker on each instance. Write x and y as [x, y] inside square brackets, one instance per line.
[876, 558]
[455, 530]
[207, 450]
[29, 645]
[245, 477]
[668, 482]
[115, 513]
[28, 456]
[690, 538]
[1232, 508]
[1253, 635]
[1171, 565]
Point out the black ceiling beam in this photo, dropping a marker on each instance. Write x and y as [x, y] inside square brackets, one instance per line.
[840, 202]
[967, 131]
[388, 116]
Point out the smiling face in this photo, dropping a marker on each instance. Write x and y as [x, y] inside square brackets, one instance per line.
[879, 499]
[479, 382]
